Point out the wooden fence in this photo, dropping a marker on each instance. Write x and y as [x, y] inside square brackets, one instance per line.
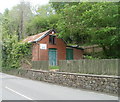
[43, 65]
[86, 66]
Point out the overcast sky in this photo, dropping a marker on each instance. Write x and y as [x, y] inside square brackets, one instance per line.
[10, 3]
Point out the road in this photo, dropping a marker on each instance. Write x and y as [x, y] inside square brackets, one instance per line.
[16, 88]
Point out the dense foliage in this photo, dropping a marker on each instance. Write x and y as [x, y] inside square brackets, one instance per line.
[13, 30]
[14, 52]
[91, 23]
[44, 19]
[77, 23]
[39, 24]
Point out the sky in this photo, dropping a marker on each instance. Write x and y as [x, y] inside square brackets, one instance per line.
[10, 3]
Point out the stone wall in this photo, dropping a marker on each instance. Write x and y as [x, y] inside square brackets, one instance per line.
[107, 84]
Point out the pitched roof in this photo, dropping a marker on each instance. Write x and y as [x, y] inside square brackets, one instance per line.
[37, 37]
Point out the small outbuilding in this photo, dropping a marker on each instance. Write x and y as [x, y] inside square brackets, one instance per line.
[47, 46]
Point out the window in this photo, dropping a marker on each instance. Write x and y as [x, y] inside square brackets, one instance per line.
[52, 39]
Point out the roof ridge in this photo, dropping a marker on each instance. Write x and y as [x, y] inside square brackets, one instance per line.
[36, 37]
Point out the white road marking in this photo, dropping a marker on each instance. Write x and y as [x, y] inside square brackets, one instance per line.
[18, 93]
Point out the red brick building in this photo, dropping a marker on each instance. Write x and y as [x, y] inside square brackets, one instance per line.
[47, 46]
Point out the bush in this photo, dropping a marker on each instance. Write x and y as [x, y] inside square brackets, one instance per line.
[90, 57]
[15, 53]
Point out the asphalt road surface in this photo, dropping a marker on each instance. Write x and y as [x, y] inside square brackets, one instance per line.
[16, 88]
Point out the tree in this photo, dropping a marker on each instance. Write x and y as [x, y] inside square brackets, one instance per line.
[39, 24]
[59, 6]
[92, 23]
[0, 40]
[45, 10]
[20, 15]
[13, 30]
[70, 24]
[6, 38]
[44, 19]
[102, 21]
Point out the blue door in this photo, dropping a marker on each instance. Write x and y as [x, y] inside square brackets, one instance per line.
[52, 57]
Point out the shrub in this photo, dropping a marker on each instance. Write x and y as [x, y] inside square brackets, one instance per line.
[15, 54]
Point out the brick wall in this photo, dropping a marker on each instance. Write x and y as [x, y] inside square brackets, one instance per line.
[42, 54]
[35, 52]
[78, 54]
[39, 54]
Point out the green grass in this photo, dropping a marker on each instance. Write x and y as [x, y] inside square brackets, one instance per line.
[54, 67]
